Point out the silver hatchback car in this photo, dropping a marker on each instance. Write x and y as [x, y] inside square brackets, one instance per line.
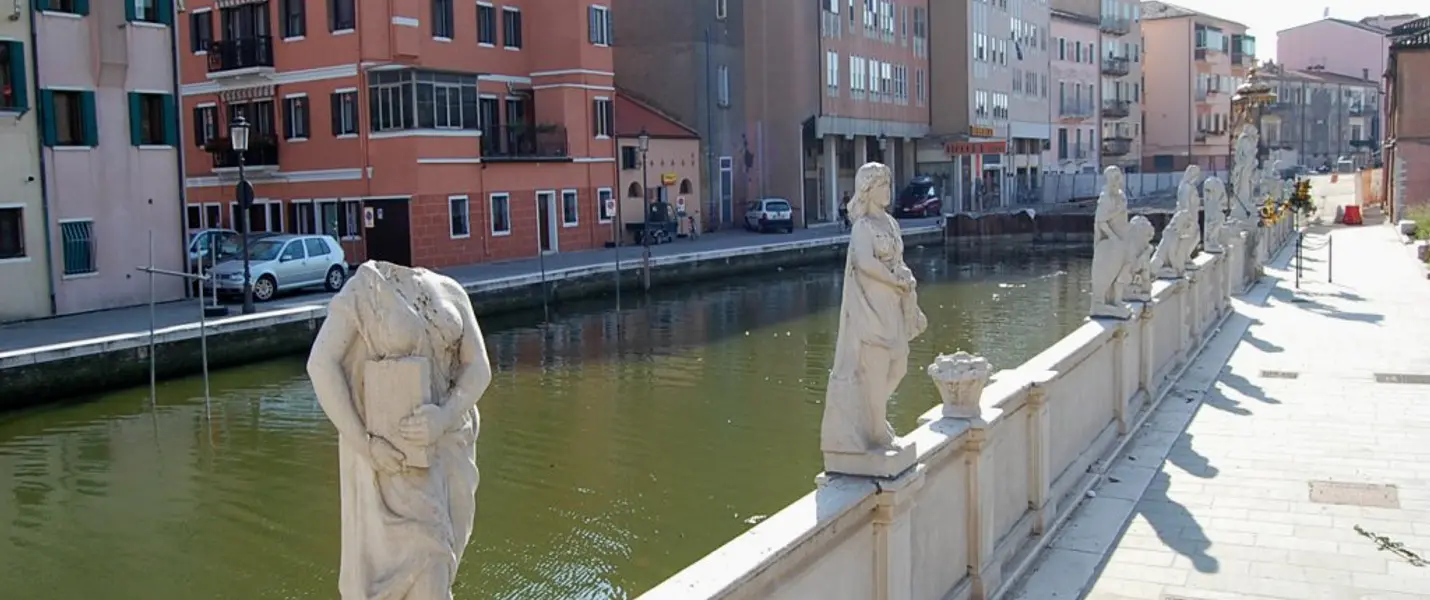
[285, 261]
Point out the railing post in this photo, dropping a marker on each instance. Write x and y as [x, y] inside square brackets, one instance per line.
[1191, 309]
[1146, 351]
[1040, 455]
[1119, 388]
[984, 573]
[894, 536]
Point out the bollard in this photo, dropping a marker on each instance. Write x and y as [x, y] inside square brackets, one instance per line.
[1330, 259]
[1298, 259]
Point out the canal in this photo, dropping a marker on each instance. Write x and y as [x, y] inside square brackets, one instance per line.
[617, 447]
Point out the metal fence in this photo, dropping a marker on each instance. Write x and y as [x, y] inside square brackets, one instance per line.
[1067, 187]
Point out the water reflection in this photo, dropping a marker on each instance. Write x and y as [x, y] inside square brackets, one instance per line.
[616, 447]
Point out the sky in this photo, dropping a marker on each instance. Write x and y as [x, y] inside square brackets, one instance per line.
[1267, 17]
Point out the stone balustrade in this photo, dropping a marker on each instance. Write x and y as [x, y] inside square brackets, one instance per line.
[991, 480]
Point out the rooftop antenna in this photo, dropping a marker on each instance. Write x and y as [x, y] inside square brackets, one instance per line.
[1327, 13]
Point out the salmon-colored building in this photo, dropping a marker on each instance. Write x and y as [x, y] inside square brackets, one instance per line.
[433, 132]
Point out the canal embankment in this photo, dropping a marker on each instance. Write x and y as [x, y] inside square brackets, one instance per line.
[117, 354]
[1020, 227]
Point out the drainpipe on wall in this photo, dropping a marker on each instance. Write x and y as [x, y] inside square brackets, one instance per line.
[179, 144]
[44, 180]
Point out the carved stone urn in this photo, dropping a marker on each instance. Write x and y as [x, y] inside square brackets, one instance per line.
[960, 378]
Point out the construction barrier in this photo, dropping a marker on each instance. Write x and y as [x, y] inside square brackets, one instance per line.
[1369, 188]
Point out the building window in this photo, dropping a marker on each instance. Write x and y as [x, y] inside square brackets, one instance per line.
[460, 214]
[442, 19]
[341, 15]
[603, 117]
[303, 220]
[423, 99]
[831, 69]
[295, 18]
[151, 119]
[77, 245]
[205, 125]
[605, 204]
[74, 7]
[599, 23]
[14, 87]
[201, 31]
[570, 208]
[501, 214]
[68, 118]
[511, 27]
[722, 82]
[12, 232]
[486, 24]
[344, 112]
[722, 9]
[295, 118]
[145, 10]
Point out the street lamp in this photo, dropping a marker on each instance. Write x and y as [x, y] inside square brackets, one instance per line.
[645, 189]
[238, 140]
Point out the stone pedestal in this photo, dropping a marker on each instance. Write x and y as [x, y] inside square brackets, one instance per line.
[960, 378]
[886, 464]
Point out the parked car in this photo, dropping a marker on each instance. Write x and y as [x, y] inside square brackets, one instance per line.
[918, 199]
[286, 262]
[211, 246]
[770, 214]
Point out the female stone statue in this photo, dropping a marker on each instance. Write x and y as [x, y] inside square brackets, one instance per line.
[398, 367]
[1215, 216]
[878, 317]
[1243, 174]
[1110, 248]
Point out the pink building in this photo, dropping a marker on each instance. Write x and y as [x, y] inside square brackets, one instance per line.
[1076, 100]
[1194, 63]
[1350, 48]
[109, 129]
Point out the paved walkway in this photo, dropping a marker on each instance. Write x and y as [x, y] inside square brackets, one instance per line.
[72, 328]
[1267, 445]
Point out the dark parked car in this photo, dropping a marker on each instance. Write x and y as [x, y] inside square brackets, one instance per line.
[918, 199]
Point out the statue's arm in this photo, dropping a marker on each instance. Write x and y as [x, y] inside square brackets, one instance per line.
[861, 251]
[330, 382]
[475, 368]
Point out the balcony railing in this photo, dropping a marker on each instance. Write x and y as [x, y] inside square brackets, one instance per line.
[262, 152]
[1238, 58]
[1116, 147]
[524, 142]
[1116, 109]
[1202, 53]
[1116, 66]
[1075, 110]
[1362, 144]
[241, 53]
[1360, 110]
[1115, 26]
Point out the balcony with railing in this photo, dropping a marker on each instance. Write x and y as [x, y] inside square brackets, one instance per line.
[1116, 109]
[517, 142]
[1116, 147]
[1114, 25]
[1361, 110]
[262, 153]
[1073, 109]
[240, 56]
[1116, 66]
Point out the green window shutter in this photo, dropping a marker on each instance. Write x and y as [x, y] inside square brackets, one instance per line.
[81, 7]
[165, 9]
[136, 119]
[41, 4]
[171, 121]
[48, 131]
[20, 85]
[91, 119]
[130, 14]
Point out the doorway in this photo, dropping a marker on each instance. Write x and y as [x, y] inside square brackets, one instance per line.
[546, 233]
[388, 235]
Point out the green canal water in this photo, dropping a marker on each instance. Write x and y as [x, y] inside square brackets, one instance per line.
[617, 447]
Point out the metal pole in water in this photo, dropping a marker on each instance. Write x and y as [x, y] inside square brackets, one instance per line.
[153, 391]
[203, 336]
[541, 261]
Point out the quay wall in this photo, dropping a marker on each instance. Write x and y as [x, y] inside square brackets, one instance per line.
[68, 371]
[985, 494]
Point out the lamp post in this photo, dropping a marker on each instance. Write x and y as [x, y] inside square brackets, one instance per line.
[238, 139]
[645, 189]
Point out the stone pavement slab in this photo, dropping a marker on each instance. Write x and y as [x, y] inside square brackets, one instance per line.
[1252, 477]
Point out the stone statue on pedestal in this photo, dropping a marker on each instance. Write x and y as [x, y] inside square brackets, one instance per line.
[878, 316]
[1214, 234]
[1243, 176]
[1190, 200]
[398, 367]
[1111, 249]
[1139, 240]
[1180, 236]
[1275, 186]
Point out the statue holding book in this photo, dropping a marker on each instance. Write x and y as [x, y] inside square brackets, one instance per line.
[398, 367]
